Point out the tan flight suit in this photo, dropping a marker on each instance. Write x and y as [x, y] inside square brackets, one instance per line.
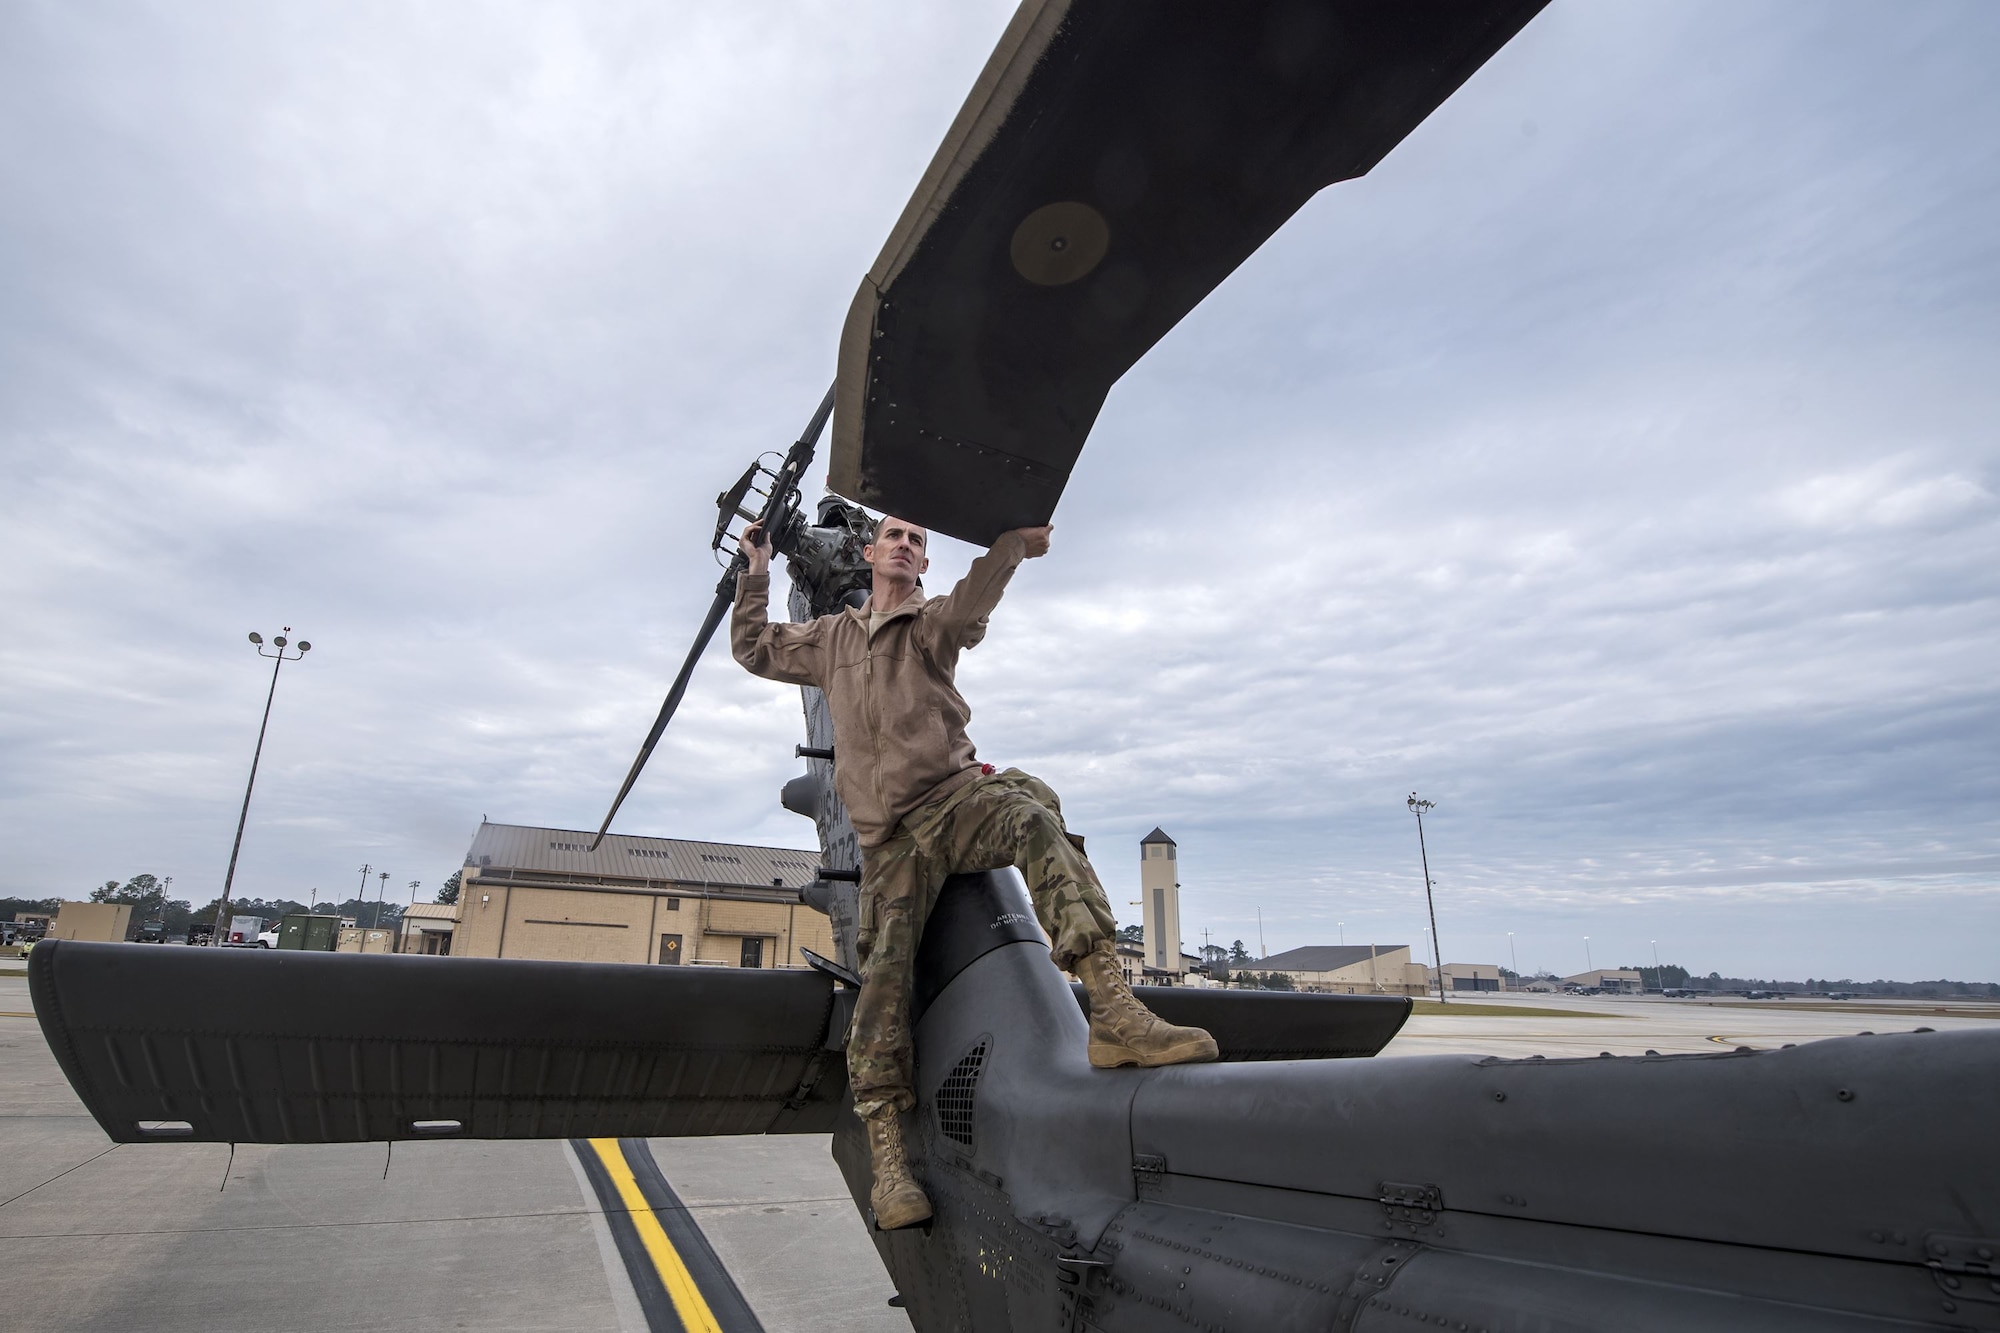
[922, 804]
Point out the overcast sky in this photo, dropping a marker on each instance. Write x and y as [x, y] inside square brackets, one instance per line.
[1616, 466]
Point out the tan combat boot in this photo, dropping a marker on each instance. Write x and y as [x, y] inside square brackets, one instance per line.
[1125, 1032]
[898, 1201]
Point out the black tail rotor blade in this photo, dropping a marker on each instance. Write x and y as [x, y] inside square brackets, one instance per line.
[784, 490]
[725, 596]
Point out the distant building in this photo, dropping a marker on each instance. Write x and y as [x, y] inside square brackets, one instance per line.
[427, 928]
[1138, 972]
[1160, 906]
[1618, 980]
[91, 921]
[365, 939]
[541, 893]
[1347, 969]
[1131, 962]
[1472, 977]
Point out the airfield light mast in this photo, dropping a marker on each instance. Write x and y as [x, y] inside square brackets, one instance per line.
[1417, 808]
[220, 934]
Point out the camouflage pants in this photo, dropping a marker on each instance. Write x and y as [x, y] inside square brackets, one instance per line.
[996, 820]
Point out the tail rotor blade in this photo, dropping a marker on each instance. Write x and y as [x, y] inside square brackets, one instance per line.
[725, 595]
[777, 504]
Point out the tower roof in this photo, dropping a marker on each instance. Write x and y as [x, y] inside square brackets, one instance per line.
[1158, 835]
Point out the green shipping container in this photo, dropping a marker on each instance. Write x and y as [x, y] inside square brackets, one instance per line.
[302, 930]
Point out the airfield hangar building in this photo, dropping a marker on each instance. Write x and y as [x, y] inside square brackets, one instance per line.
[1617, 980]
[541, 893]
[1471, 977]
[1349, 969]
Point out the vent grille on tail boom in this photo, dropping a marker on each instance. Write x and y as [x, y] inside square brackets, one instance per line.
[955, 1095]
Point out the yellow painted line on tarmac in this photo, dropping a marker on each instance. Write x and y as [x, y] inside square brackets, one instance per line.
[9, 1013]
[674, 1275]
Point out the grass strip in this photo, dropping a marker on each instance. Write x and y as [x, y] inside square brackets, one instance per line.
[1918, 1009]
[1474, 1009]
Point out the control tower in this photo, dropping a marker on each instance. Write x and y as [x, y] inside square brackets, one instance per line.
[1160, 898]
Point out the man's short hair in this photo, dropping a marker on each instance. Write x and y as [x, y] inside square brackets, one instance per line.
[875, 527]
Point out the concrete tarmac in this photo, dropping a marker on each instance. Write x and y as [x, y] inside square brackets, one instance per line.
[1566, 1025]
[142, 1238]
[505, 1236]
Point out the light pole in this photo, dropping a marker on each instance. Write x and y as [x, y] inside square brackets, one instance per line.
[402, 933]
[1659, 973]
[1417, 808]
[1588, 965]
[1516, 957]
[220, 935]
[1343, 933]
[381, 889]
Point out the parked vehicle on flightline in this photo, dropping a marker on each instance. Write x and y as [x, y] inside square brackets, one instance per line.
[306, 930]
[245, 933]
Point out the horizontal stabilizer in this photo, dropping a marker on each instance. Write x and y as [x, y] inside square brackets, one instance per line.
[270, 1046]
[1275, 1025]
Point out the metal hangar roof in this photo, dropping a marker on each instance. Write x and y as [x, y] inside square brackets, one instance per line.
[623, 858]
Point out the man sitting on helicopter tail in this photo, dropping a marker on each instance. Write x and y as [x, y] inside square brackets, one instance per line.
[925, 808]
